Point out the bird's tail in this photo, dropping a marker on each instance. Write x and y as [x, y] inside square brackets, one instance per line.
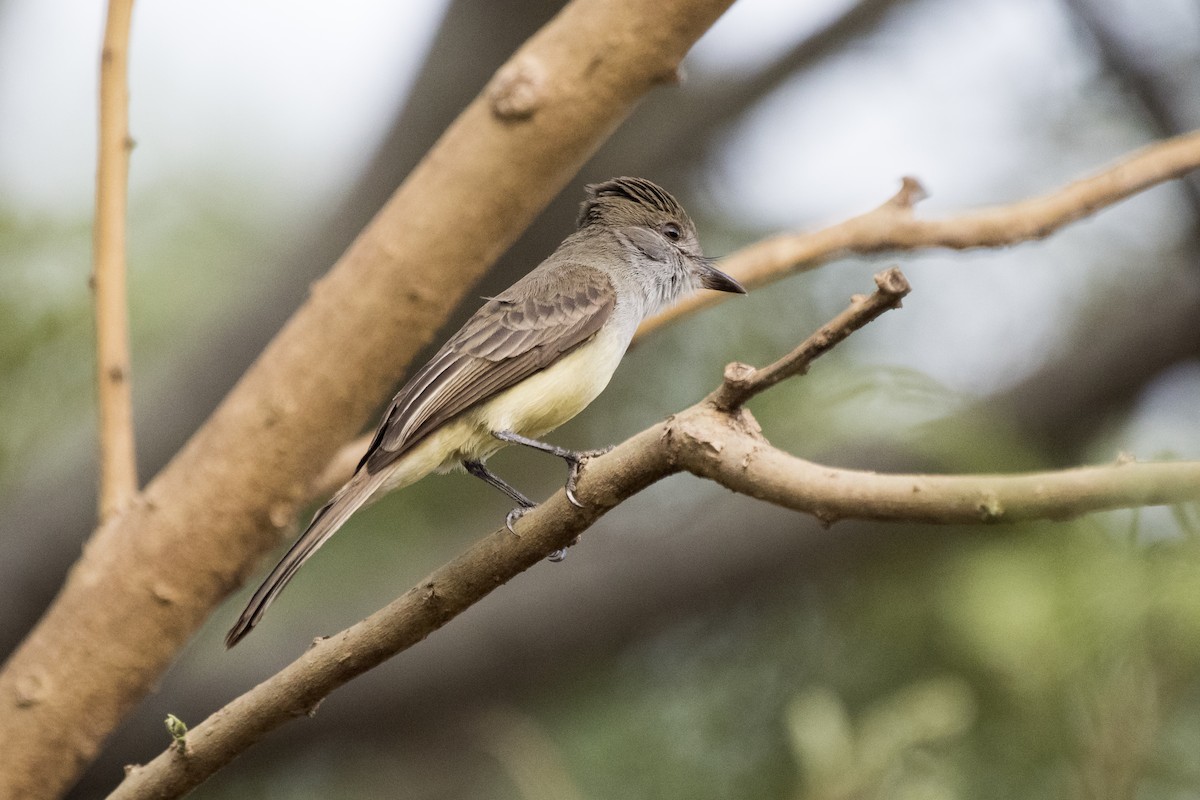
[325, 523]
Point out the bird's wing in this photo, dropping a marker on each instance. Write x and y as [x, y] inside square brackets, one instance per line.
[524, 330]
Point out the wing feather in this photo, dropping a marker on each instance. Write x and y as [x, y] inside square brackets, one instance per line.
[531, 325]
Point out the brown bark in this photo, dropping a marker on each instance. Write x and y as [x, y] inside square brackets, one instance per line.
[118, 464]
[149, 576]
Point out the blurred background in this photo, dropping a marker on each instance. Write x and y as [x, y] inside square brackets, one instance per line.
[695, 643]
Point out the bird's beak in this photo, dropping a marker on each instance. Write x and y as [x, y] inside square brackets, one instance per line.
[713, 278]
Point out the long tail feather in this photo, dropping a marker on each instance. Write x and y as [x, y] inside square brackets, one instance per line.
[325, 523]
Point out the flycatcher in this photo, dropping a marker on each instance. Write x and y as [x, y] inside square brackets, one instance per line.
[532, 358]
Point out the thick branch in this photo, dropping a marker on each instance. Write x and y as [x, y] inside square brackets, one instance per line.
[726, 447]
[149, 577]
[893, 226]
[118, 463]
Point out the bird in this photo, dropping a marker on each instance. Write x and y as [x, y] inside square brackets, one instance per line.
[528, 360]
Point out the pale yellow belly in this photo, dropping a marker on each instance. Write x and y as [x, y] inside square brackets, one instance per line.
[549, 398]
[532, 408]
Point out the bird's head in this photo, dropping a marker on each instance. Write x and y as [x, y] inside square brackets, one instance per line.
[647, 220]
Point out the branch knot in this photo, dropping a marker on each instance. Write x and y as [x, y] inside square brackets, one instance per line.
[911, 192]
[517, 91]
[739, 376]
[892, 282]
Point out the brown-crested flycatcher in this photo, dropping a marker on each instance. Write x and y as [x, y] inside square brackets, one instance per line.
[532, 358]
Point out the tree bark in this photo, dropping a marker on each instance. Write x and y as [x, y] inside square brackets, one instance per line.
[150, 576]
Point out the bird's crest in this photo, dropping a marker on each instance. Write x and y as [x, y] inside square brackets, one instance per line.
[635, 190]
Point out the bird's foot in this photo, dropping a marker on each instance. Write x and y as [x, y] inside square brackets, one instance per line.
[515, 515]
[511, 520]
[575, 462]
[560, 554]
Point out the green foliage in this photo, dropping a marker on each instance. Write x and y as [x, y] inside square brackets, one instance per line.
[177, 728]
[186, 264]
[45, 352]
[1036, 663]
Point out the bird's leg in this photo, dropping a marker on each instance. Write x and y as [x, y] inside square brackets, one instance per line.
[477, 469]
[574, 458]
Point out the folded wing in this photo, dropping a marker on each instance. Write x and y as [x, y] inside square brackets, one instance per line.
[526, 329]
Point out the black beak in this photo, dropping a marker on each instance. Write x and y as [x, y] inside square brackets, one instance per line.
[713, 278]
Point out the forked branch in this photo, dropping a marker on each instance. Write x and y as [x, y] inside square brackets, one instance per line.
[708, 440]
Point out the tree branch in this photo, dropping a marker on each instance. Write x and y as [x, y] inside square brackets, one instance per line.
[150, 576]
[892, 226]
[724, 446]
[716, 446]
[448, 591]
[118, 461]
[743, 381]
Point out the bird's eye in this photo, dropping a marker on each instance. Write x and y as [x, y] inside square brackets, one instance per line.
[671, 231]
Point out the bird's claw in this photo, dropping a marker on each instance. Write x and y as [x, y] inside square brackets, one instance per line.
[561, 553]
[571, 489]
[515, 515]
[573, 471]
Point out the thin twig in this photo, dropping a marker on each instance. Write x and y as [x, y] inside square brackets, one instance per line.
[893, 226]
[743, 381]
[118, 461]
